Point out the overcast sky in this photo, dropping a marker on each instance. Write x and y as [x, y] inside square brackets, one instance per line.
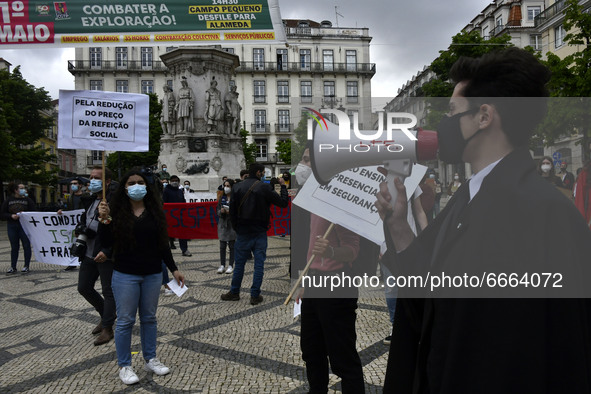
[407, 35]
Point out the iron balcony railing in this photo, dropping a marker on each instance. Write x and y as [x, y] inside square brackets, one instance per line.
[260, 128]
[361, 68]
[549, 13]
[283, 128]
[114, 65]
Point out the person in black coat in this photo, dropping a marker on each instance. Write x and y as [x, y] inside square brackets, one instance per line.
[505, 219]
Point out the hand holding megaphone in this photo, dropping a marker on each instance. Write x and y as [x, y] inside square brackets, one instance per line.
[334, 150]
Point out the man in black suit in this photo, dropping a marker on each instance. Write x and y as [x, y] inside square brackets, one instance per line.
[505, 219]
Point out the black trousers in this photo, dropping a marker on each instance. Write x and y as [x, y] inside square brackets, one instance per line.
[88, 274]
[328, 333]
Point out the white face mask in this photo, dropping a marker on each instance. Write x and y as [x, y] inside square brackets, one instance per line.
[457, 178]
[187, 187]
[302, 173]
[227, 190]
[546, 167]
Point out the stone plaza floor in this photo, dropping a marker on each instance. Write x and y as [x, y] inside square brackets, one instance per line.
[211, 346]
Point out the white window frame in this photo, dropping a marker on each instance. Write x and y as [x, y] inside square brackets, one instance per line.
[283, 91]
[328, 59]
[260, 94]
[306, 87]
[559, 34]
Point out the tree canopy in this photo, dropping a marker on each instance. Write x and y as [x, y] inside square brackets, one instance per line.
[26, 113]
[124, 161]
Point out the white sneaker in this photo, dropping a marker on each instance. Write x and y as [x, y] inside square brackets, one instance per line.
[154, 365]
[230, 269]
[221, 269]
[168, 292]
[127, 375]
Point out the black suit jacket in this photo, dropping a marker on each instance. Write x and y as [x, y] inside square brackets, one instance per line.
[489, 345]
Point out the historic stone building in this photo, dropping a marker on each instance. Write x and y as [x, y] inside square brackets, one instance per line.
[321, 66]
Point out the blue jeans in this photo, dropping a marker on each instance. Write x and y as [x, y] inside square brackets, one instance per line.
[16, 234]
[245, 244]
[133, 293]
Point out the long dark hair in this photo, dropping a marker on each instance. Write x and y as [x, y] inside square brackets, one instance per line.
[123, 217]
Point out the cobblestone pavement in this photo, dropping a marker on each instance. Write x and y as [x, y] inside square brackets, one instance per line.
[211, 346]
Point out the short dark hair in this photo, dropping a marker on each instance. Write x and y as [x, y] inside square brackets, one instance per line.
[174, 177]
[510, 72]
[254, 168]
[108, 173]
[242, 172]
[187, 182]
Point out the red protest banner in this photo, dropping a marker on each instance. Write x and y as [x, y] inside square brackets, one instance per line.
[200, 220]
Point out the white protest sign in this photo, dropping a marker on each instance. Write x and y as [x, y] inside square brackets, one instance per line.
[200, 197]
[51, 235]
[97, 120]
[349, 199]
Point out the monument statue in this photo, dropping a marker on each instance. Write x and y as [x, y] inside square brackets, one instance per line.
[184, 107]
[167, 119]
[233, 109]
[214, 111]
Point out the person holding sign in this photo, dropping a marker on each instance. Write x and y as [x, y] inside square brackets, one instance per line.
[17, 202]
[74, 202]
[95, 259]
[137, 232]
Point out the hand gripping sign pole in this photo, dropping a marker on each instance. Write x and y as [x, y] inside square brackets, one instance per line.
[306, 268]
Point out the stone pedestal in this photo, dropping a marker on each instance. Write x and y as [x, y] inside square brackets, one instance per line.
[206, 153]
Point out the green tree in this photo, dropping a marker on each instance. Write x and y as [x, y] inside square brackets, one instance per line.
[300, 138]
[249, 149]
[283, 147]
[571, 77]
[123, 161]
[468, 44]
[22, 123]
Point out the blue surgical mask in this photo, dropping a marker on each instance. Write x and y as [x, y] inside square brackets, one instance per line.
[96, 185]
[74, 188]
[137, 192]
[22, 192]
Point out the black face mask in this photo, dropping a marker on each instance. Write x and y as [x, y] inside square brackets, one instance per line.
[451, 140]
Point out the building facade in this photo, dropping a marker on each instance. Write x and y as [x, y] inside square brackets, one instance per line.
[535, 23]
[321, 66]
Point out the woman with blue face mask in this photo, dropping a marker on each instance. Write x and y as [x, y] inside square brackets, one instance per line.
[137, 231]
[16, 202]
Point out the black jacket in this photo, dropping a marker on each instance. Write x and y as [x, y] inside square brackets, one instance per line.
[173, 194]
[492, 345]
[252, 214]
[87, 199]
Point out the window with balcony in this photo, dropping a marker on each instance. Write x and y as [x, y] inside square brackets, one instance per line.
[262, 145]
[121, 57]
[499, 21]
[352, 92]
[96, 84]
[559, 34]
[535, 41]
[96, 57]
[328, 59]
[305, 59]
[283, 91]
[351, 60]
[258, 58]
[485, 33]
[259, 92]
[306, 91]
[122, 86]
[532, 12]
[329, 90]
[147, 57]
[282, 59]
[284, 121]
[260, 120]
[147, 86]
